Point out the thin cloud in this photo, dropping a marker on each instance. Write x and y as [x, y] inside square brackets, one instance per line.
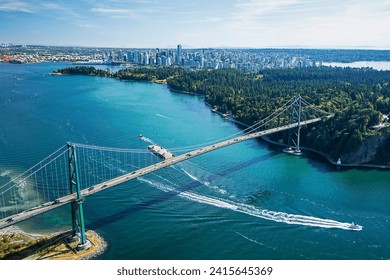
[249, 23]
[60, 9]
[135, 1]
[357, 25]
[88, 26]
[201, 20]
[125, 13]
[256, 7]
[15, 6]
[311, 22]
[116, 13]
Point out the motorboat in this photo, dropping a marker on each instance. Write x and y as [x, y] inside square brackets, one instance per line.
[292, 151]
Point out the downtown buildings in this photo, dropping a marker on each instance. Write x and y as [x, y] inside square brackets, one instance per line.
[245, 59]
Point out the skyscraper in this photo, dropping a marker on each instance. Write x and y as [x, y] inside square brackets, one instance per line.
[178, 58]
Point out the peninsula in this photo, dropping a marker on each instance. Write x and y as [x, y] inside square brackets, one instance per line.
[359, 133]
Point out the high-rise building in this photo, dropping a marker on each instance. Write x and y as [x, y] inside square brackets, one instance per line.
[179, 54]
[146, 58]
[131, 57]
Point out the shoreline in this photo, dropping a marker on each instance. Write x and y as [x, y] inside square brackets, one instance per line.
[183, 92]
[48, 246]
[331, 161]
[325, 156]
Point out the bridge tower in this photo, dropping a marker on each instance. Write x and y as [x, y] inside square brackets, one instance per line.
[294, 138]
[78, 224]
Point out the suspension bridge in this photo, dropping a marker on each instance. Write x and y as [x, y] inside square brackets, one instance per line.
[76, 171]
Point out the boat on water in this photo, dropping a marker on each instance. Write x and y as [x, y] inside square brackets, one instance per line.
[141, 136]
[160, 152]
[292, 151]
[354, 226]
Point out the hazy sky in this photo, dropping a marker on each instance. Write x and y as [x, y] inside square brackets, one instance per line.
[197, 23]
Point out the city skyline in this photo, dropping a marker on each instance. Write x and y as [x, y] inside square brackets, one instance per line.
[198, 24]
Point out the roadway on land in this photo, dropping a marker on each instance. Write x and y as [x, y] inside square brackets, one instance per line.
[16, 218]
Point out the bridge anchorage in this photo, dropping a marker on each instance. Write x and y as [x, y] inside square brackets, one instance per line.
[76, 171]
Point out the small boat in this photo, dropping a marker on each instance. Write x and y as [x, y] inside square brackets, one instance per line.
[292, 151]
[140, 136]
[354, 226]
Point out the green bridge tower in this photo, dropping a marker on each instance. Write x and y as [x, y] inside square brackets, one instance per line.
[78, 224]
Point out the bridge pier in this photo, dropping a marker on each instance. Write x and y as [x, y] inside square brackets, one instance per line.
[78, 224]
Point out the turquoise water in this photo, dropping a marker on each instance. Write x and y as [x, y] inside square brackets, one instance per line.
[242, 202]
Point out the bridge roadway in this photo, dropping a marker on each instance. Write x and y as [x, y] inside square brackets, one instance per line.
[16, 218]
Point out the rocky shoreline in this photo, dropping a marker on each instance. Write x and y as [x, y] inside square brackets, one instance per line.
[17, 244]
[100, 249]
[331, 161]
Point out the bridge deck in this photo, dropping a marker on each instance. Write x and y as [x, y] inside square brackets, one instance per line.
[141, 172]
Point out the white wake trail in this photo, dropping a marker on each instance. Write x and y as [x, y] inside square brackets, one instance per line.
[147, 140]
[163, 116]
[203, 182]
[280, 217]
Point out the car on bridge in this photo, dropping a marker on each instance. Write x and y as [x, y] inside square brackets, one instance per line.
[56, 201]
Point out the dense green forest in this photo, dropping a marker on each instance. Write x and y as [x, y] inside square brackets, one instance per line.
[360, 99]
[83, 70]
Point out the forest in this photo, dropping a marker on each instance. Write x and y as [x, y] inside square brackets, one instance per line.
[359, 98]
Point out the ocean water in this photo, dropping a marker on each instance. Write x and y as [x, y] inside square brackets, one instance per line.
[247, 201]
[378, 65]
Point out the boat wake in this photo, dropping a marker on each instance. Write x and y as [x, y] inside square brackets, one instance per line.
[280, 217]
[203, 182]
[254, 241]
[146, 139]
[163, 116]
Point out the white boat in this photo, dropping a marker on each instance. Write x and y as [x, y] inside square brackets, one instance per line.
[292, 151]
[354, 226]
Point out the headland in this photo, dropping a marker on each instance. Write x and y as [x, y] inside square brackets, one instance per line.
[17, 244]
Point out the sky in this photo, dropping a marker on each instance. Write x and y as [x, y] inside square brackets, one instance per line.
[197, 23]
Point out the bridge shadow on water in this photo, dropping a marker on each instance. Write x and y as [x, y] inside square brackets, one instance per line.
[168, 195]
